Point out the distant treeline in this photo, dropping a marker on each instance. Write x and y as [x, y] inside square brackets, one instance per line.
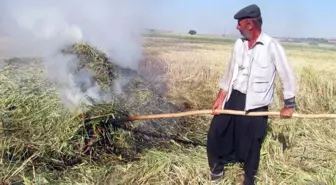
[309, 40]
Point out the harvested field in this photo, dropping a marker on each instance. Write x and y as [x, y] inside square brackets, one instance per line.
[44, 143]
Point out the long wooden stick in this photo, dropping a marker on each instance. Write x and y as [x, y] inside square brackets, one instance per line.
[225, 111]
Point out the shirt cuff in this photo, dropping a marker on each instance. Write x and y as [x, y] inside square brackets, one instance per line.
[290, 103]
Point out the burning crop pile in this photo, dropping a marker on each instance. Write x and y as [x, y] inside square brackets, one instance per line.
[40, 133]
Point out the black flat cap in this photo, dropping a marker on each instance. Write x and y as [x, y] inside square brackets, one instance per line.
[251, 11]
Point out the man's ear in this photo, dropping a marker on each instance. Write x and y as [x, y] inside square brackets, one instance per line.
[250, 25]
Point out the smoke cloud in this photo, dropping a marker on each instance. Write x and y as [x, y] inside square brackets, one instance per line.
[39, 28]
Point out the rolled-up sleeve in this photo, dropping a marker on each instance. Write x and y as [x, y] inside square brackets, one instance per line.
[284, 70]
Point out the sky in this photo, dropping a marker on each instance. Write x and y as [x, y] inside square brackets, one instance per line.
[310, 18]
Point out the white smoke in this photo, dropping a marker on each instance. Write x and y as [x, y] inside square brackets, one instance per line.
[41, 28]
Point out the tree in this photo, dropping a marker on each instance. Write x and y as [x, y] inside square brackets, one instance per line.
[192, 32]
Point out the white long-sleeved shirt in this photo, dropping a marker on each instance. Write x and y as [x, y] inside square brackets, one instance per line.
[253, 72]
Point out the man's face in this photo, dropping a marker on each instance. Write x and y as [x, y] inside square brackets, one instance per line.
[244, 26]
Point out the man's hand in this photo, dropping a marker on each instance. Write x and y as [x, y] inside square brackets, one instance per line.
[286, 112]
[219, 102]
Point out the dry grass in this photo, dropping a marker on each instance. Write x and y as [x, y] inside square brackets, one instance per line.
[296, 151]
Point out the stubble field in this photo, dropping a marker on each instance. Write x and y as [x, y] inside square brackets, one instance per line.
[186, 69]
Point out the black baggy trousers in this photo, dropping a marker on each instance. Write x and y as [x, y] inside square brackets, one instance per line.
[234, 138]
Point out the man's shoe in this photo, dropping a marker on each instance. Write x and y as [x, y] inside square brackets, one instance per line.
[216, 177]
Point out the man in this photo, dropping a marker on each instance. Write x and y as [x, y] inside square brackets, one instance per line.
[248, 85]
